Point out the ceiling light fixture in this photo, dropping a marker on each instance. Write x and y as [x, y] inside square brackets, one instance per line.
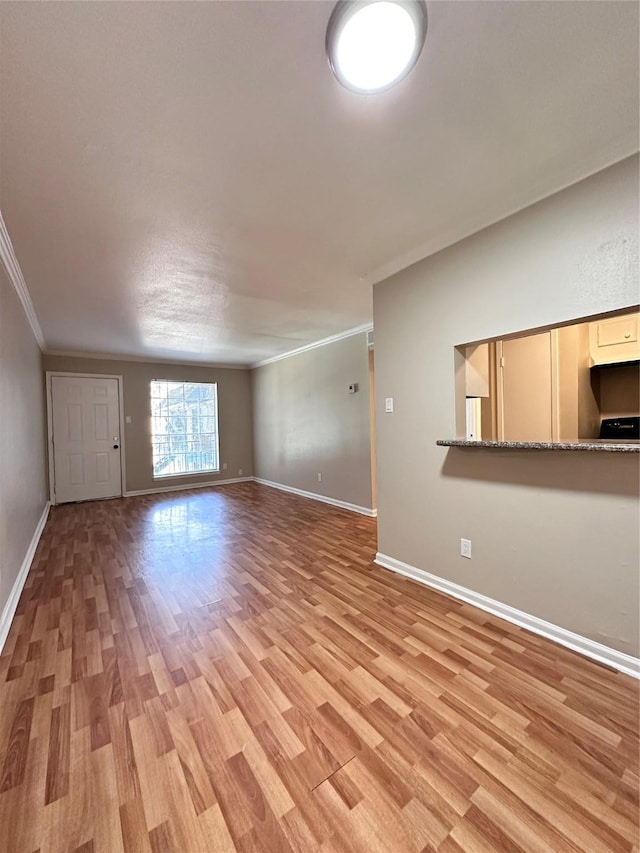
[373, 44]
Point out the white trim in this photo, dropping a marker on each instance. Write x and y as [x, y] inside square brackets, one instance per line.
[158, 478]
[349, 333]
[12, 267]
[14, 596]
[186, 487]
[123, 464]
[583, 645]
[459, 232]
[103, 356]
[362, 510]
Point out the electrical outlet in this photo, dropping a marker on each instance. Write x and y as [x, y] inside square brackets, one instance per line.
[239, 472]
[465, 548]
[224, 466]
[319, 477]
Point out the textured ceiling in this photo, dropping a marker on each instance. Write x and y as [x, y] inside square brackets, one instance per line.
[188, 180]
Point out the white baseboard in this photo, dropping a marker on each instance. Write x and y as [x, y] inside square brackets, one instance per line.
[362, 510]
[14, 596]
[185, 487]
[589, 648]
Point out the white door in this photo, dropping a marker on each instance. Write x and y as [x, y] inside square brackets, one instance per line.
[86, 438]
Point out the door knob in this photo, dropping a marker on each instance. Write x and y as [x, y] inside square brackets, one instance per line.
[115, 446]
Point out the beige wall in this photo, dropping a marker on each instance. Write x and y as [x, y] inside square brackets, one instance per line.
[306, 422]
[619, 390]
[22, 437]
[234, 415]
[554, 534]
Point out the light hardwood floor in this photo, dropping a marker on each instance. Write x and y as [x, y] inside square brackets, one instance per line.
[226, 670]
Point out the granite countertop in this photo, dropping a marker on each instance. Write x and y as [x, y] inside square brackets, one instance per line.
[588, 444]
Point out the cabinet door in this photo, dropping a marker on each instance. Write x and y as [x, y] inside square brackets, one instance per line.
[614, 339]
[525, 411]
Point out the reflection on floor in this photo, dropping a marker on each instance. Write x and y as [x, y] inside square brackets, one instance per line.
[227, 670]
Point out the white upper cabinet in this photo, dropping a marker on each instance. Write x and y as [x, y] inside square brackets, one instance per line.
[614, 340]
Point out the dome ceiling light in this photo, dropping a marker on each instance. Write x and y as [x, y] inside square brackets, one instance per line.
[373, 44]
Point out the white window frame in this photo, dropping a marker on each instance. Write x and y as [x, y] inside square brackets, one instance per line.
[174, 476]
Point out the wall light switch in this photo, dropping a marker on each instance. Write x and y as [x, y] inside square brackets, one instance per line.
[128, 419]
[388, 404]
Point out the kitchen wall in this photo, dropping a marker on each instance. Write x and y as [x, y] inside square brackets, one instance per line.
[234, 415]
[306, 422]
[619, 389]
[22, 439]
[555, 534]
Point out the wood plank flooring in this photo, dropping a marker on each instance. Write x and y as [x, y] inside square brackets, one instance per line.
[226, 670]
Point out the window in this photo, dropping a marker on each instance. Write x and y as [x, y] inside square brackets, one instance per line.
[184, 427]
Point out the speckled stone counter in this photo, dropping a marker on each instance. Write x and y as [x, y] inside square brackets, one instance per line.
[590, 445]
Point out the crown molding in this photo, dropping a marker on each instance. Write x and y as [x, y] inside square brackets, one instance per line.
[461, 230]
[105, 356]
[12, 268]
[349, 333]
